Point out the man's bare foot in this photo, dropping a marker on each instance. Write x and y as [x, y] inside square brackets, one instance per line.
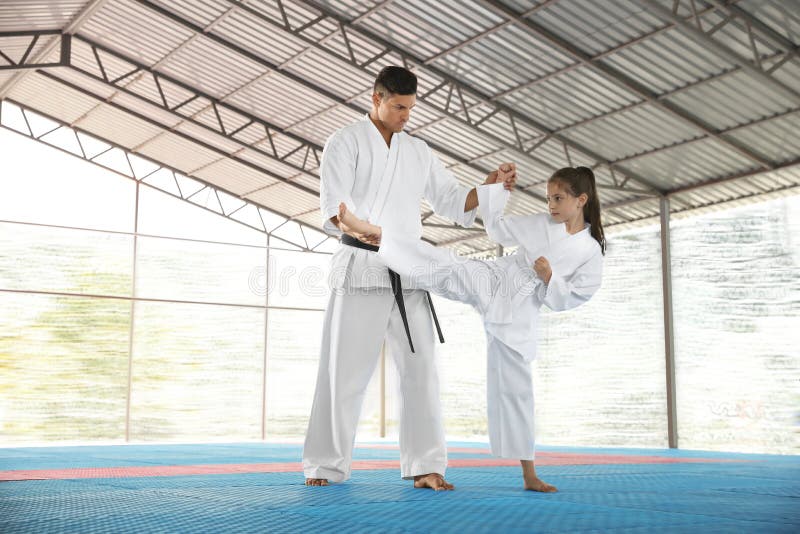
[357, 225]
[435, 481]
[316, 482]
[537, 484]
[533, 482]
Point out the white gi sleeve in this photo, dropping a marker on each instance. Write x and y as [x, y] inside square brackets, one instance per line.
[337, 176]
[446, 195]
[506, 230]
[567, 293]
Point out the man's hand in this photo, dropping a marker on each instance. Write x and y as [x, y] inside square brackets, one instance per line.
[542, 268]
[369, 239]
[507, 174]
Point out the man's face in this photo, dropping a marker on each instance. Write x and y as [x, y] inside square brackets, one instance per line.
[394, 110]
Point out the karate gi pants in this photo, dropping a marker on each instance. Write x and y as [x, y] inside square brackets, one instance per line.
[509, 402]
[509, 384]
[356, 323]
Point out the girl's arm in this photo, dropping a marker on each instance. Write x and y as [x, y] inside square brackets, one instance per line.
[566, 293]
[506, 230]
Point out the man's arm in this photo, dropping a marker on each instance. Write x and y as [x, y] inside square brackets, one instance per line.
[337, 176]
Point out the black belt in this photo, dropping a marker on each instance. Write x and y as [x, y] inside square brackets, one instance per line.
[397, 290]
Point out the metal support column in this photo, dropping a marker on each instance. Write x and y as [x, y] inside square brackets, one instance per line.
[669, 335]
[383, 390]
[266, 338]
[133, 309]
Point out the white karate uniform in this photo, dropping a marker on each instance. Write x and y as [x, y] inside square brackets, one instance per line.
[508, 294]
[384, 185]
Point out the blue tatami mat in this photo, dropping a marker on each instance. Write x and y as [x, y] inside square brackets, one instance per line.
[714, 493]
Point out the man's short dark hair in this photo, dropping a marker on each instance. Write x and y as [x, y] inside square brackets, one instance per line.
[393, 80]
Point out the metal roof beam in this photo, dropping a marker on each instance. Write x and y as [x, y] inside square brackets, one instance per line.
[731, 19]
[597, 57]
[133, 77]
[622, 79]
[714, 77]
[662, 96]
[187, 137]
[455, 85]
[701, 137]
[733, 178]
[25, 61]
[481, 35]
[768, 32]
[721, 50]
[177, 19]
[668, 95]
[160, 166]
[229, 125]
[83, 15]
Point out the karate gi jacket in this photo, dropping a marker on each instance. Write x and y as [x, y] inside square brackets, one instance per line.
[576, 261]
[384, 185]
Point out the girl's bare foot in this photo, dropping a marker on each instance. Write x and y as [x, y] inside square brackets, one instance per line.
[533, 482]
[537, 484]
[357, 225]
[316, 482]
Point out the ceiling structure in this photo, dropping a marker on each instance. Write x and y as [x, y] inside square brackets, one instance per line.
[694, 101]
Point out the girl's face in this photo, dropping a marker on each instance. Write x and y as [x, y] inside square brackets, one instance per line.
[563, 205]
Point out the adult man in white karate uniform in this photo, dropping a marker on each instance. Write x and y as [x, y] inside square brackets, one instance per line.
[382, 174]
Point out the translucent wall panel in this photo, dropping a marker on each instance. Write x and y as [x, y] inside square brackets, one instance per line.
[293, 360]
[63, 260]
[42, 185]
[293, 341]
[63, 368]
[164, 215]
[197, 372]
[600, 374]
[462, 373]
[298, 279]
[195, 271]
[736, 283]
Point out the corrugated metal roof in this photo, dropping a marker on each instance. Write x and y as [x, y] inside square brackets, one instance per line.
[595, 26]
[291, 201]
[633, 131]
[587, 83]
[102, 122]
[777, 139]
[51, 98]
[16, 15]
[234, 177]
[129, 27]
[690, 163]
[177, 152]
[562, 100]
[729, 101]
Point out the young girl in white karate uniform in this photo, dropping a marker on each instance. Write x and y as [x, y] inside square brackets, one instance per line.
[559, 263]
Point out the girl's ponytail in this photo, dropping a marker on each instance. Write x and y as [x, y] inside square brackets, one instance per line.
[591, 210]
